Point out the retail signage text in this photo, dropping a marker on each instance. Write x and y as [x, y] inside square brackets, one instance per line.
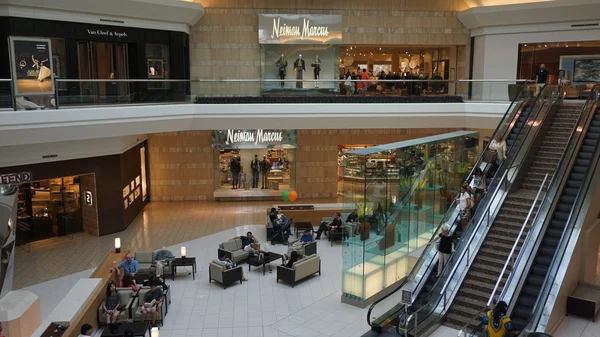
[253, 139]
[88, 198]
[299, 29]
[15, 178]
[257, 136]
[100, 32]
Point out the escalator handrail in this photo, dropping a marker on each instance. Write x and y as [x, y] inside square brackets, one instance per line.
[453, 205]
[514, 247]
[563, 237]
[544, 201]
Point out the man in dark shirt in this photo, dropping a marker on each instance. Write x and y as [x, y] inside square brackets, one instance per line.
[156, 295]
[335, 224]
[249, 243]
[541, 77]
[353, 219]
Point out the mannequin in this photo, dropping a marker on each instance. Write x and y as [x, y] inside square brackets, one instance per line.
[299, 68]
[317, 69]
[282, 65]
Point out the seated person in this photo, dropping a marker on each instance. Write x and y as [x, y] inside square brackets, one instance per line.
[230, 264]
[288, 263]
[163, 257]
[129, 265]
[353, 219]
[112, 303]
[336, 224]
[126, 281]
[152, 300]
[298, 246]
[153, 279]
[249, 243]
[278, 218]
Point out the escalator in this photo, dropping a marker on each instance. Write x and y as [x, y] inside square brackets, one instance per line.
[543, 158]
[563, 212]
[516, 123]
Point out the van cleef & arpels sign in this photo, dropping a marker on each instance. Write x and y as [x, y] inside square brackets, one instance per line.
[299, 29]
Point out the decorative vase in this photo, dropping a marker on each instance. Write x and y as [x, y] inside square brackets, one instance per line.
[365, 231]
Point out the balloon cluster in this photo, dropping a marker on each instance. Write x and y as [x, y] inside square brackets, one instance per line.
[289, 195]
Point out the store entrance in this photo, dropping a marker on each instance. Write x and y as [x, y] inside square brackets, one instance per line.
[49, 208]
[102, 60]
[279, 175]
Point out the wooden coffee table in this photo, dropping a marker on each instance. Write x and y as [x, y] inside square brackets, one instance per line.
[303, 226]
[138, 329]
[180, 262]
[257, 261]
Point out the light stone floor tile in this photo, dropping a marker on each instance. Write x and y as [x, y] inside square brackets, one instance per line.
[160, 223]
[257, 308]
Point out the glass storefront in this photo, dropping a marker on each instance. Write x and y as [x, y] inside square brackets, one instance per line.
[279, 177]
[401, 192]
[49, 208]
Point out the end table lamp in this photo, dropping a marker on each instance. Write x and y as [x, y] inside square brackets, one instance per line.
[183, 253]
[154, 332]
[117, 245]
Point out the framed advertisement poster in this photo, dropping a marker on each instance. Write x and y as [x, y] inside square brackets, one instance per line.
[31, 65]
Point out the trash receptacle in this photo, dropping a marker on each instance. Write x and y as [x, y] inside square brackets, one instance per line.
[538, 334]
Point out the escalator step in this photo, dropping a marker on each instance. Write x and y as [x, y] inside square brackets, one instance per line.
[554, 233]
[564, 207]
[551, 242]
[583, 162]
[535, 280]
[547, 251]
[592, 136]
[588, 149]
[527, 301]
[522, 312]
[539, 270]
[593, 129]
[542, 261]
[571, 191]
[586, 155]
[590, 142]
[561, 215]
[567, 199]
[531, 290]
[557, 224]
[575, 184]
[576, 176]
[579, 169]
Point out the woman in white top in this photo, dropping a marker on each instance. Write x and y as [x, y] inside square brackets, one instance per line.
[465, 203]
[348, 83]
[498, 145]
[479, 185]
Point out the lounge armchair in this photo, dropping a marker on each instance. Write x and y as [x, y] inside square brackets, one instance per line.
[136, 308]
[126, 296]
[220, 273]
[308, 249]
[300, 270]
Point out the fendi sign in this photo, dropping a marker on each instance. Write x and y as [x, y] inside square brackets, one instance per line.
[299, 29]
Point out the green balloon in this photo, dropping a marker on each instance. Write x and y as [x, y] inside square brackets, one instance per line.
[285, 195]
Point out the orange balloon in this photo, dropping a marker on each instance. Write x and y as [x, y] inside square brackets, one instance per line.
[293, 196]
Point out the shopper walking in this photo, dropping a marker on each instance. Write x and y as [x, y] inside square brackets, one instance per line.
[445, 248]
[255, 167]
[465, 203]
[265, 168]
[541, 77]
[479, 185]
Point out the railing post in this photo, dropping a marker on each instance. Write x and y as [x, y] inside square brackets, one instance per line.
[416, 318]
[444, 300]
[468, 255]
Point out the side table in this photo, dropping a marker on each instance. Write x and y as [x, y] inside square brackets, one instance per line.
[181, 262]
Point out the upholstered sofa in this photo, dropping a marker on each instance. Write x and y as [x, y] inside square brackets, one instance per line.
[300, 270]
[308, 249]
[218, 272]
[147, 262]
[136, 308]
[233, 250]
[126, 296]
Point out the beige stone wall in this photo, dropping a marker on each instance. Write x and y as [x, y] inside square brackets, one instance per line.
[224, 44]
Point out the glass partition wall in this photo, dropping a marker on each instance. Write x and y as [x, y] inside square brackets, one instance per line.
[401, 192]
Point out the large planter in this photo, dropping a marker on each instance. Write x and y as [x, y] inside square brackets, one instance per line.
[365, 231]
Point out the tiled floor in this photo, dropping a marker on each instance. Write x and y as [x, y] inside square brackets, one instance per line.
[259, 307]
[161, 223]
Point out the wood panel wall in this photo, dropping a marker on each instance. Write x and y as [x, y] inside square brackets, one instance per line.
[181, 166]
[87, 182]
[224, 43]
[182, 163]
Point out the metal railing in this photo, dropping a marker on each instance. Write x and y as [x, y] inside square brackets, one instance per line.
[514, 247]
[508, 121]
[78, 93]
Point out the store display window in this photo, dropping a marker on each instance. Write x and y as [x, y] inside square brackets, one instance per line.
[254, 159]
[401, 192]
[49, 208]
